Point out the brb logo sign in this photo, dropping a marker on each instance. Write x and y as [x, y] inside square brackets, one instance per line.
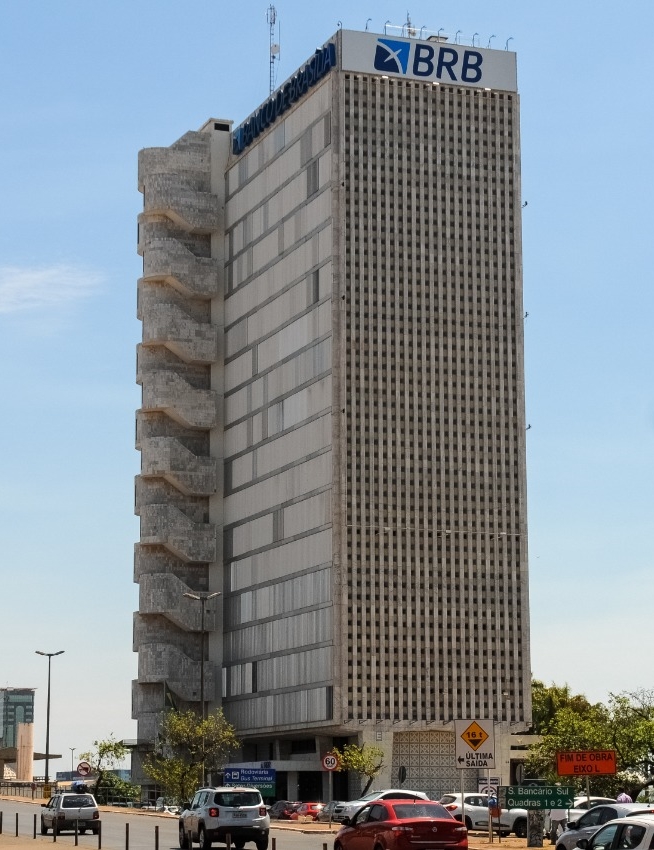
[418, 59]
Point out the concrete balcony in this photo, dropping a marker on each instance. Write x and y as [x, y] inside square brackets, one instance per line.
[166, 457]
[161, 662]
[167, 324]
[163, 593]
[195, 211]
[170, 260]
[168, 392]
[167, 526]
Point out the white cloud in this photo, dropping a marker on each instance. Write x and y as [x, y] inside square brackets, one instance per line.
[24, 289]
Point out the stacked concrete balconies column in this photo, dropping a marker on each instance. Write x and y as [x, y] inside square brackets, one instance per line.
[178, 551]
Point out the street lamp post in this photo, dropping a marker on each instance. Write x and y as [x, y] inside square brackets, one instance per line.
[202, 598]
[72, 753]
[50, 656]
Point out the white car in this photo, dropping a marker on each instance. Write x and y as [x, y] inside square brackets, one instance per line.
[64, 811]
[579, 807]
[593, 819]
[346, 810]
[216, 813]
[476, 813]
[635, 832]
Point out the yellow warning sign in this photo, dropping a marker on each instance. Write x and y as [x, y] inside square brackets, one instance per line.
[474, 736]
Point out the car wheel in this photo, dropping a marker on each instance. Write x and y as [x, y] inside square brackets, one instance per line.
[95, 830]
[338, 845]
[203, 839]
[44, 828]
[262, 843]
[183, 837]
[239, 845]
[520, 828]
[468, 823]
[82, 830]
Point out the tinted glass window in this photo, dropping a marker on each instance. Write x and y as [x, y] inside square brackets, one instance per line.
[630, 836]
[603, 840]
[235, 799]
[362, 816]
[76, 801]
[607, 814]
[421, 810]
[378, 813]
[591, 818]
[448, 798]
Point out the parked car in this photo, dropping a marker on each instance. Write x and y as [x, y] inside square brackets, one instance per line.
[476, 813]
[401, 824]
[64, 810]
[217, 812]
[593, 819]
[327, 811]
[310, 811]
[635, 832]
[579, 807]
[346, 810]
[282, 810]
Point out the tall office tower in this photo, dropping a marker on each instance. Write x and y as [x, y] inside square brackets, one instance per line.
[332, 429]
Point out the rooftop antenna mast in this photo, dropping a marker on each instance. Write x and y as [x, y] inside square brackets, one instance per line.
[271, 18]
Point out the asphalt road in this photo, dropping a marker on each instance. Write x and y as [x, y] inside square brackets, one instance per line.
[141, 834]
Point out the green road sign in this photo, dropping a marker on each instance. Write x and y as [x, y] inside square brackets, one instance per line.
[536, 796]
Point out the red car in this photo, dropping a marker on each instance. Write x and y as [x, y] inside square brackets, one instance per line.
[402, 825]
[307, 810]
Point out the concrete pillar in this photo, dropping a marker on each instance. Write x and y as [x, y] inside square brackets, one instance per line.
[25, 752]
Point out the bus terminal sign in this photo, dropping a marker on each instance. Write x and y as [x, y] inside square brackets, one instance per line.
[585, 762]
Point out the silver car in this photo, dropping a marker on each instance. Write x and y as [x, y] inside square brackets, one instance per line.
[593, 819]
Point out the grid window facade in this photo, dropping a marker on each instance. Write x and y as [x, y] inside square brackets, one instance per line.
[433, 466]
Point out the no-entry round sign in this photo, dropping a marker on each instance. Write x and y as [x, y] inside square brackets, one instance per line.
[83, 768]
[330, 761]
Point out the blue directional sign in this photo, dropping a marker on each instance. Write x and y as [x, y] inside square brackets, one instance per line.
[252, 777]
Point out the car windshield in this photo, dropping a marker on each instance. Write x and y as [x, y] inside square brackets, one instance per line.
[420, 810]
[77, 801]
[372, 796]
[239, 798]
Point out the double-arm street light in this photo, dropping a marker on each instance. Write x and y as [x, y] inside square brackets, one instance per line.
[202, 598]
[50, 656]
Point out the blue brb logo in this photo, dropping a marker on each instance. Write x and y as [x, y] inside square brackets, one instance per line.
[392, 56]
[446, 62]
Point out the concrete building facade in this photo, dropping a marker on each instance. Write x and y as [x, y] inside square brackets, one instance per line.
[332, 427]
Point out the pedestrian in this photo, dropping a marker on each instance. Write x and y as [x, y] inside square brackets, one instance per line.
[623, 797]
[558, 817]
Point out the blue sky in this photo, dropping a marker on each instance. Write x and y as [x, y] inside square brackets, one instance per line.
[85, 85]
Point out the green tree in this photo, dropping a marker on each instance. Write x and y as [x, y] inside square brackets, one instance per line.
[186, 746]
[365, 760]
[104, 757]
[117, 790]
[548, 700]
[625, 725]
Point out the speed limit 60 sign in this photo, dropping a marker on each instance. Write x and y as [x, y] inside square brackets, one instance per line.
[330, 762]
